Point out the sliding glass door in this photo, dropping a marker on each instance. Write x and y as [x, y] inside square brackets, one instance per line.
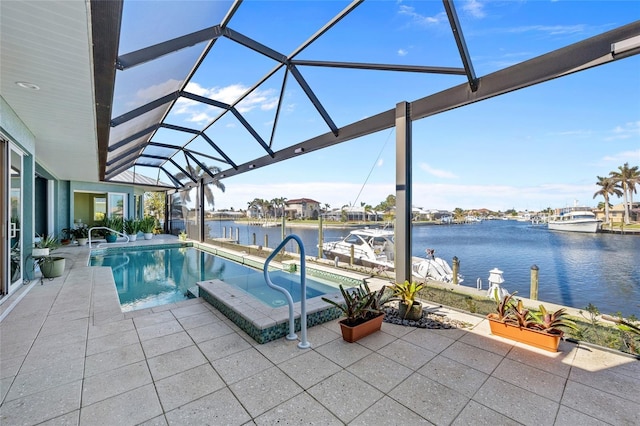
[12, 206]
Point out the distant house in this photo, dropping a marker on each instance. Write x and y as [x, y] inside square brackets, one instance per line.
[303, 208]
[616, 213]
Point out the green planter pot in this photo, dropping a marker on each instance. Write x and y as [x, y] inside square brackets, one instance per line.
[111, 238]
[52, 267]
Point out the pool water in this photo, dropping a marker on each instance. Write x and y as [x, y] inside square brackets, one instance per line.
[152, 277]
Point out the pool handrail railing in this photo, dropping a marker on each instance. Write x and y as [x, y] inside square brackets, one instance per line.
[304, 343]
[108, 229]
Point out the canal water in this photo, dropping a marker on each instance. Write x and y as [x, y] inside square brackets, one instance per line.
[575, 269]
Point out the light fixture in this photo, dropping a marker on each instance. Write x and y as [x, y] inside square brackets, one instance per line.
[298, 150]
[27, 85]
[624, 46]
[221, 176]
[252, 166]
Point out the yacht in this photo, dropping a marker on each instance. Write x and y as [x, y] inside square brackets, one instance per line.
[375, 248]
[574, 219]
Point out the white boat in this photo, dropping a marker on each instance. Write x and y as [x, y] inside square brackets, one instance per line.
[375, 248]
[574, 219]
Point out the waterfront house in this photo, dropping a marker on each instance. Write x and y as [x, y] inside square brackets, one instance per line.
[303, 208]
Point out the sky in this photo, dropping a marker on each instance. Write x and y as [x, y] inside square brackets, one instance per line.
[538, 147]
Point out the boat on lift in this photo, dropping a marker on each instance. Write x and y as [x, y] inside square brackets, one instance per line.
[375, 248]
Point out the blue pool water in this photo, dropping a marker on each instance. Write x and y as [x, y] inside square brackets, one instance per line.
[151, 277]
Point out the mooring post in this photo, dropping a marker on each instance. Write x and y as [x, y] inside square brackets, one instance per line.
[224, 232]
[456, 267]
[266, 240]
[320, 237]
[352, 251]
[238, 235]
[253, 239]
[533, 293]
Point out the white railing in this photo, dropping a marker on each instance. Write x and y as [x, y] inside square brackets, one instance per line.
[304, 343]
[108, 229]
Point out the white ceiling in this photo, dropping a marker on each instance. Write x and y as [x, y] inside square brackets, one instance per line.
[48, 44]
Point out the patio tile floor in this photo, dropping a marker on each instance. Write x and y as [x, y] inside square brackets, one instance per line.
[67, 356]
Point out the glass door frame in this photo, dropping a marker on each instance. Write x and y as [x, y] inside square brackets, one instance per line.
[12, 230]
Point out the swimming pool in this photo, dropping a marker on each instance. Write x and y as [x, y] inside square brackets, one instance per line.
[152, 277]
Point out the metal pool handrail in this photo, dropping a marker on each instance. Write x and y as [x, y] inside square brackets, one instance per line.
[108, 229]
[304, 343]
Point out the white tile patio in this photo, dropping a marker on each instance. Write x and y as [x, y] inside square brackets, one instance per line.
[68, 357]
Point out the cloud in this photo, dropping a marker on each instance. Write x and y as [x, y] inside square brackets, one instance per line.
[632, 157]
[435, 172]
[402, 52]
[474, 8]
[421, 20]
[380, 162]
[626, 131]
[546, 29]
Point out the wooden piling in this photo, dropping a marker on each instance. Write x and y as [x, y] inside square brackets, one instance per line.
[533, 292]
[456, 267]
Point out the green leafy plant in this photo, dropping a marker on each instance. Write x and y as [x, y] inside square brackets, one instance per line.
[116, 223]
[552, 321]
[360, 303]
[80, 231]
[503, 305]
[47, 241]
[131, 226]
[512, 311]
[406, 292]
[148, 224]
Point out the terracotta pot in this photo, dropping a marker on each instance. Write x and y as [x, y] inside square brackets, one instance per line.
[539, 339]
[414, 314]
[352, 334]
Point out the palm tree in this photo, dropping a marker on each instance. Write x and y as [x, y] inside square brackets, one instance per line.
[279, 203]
[198, 173]
[607, 187]
[254, 205]
[626, 177]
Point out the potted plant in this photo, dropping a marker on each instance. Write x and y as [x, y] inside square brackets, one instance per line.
[131, 228]
[52, 266]
[540, 329]
[81, 233]
[147, 226]
[44, 245]
[114, 223]
[362, 309]
[408, 307]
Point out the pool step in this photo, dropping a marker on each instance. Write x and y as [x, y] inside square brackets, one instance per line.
[193, 292]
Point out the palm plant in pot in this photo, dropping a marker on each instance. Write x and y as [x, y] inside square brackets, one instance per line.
[131, 228]
[44, 246]
[147, 226]
[362, 309]
[541, 329]
[114, 223]
[408, 307]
